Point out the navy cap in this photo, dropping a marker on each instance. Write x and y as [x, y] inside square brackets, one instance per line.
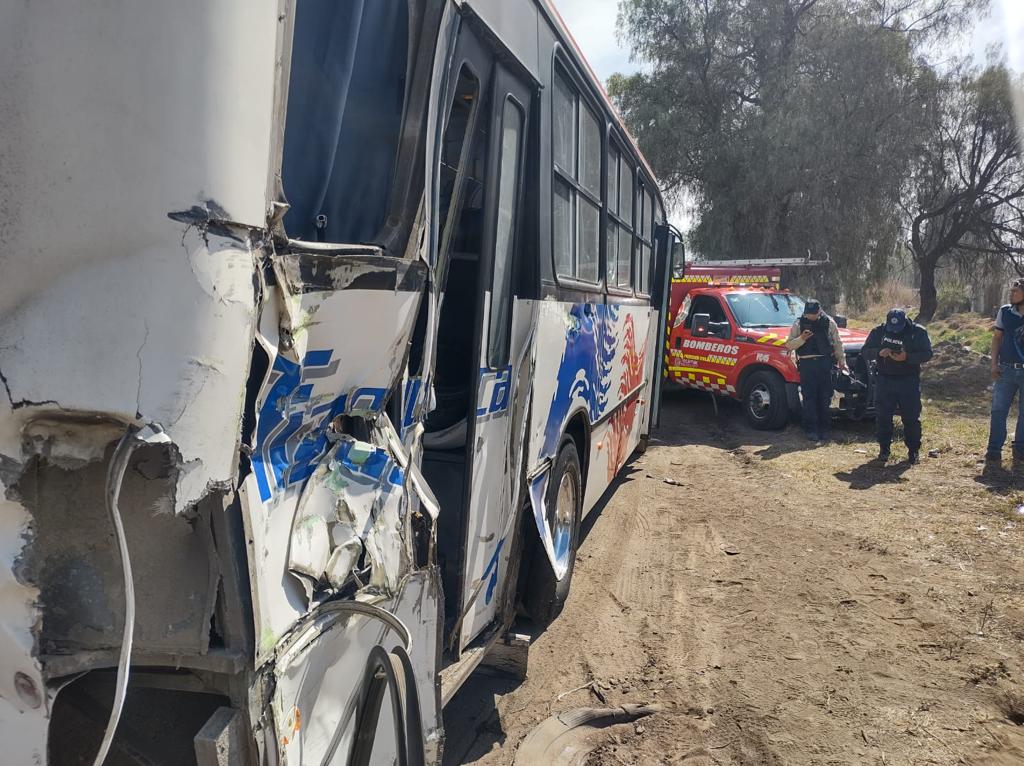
[896, 320]
[812, 307]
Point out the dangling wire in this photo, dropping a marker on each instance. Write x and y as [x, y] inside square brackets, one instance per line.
[132, 440]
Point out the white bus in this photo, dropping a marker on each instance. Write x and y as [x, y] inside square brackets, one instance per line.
[322, 325]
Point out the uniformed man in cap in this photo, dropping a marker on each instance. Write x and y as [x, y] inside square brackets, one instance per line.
[814, 337]
[899, 347]
[1007, 376]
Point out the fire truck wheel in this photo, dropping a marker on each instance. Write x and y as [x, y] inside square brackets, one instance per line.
[764, 401]
[545, 595]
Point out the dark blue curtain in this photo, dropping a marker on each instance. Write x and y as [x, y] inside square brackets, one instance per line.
[345, 100]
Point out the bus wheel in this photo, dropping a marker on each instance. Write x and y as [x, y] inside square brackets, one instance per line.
[545, 595]
[764, 401]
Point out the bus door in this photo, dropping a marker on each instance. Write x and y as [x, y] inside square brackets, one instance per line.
[502, 383]
[471, 454]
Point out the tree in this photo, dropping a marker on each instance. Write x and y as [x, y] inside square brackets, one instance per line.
[790, 122]
[964, 196]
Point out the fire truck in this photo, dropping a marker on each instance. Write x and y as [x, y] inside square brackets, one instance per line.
[726, 333]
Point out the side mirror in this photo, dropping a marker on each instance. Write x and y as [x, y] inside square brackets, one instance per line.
[700, 325]
[678, 258]
[841, 321]
[719, 329]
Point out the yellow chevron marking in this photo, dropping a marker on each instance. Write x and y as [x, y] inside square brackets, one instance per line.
[692, 372]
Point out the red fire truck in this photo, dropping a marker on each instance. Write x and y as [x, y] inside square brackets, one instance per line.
[727, 326]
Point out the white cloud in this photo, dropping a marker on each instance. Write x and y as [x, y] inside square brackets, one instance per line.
[1003, 26]
[593, 24]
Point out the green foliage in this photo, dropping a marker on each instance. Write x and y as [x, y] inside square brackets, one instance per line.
[964, 193]
[793, 123]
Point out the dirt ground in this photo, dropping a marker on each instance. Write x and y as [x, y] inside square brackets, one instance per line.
[786, 604]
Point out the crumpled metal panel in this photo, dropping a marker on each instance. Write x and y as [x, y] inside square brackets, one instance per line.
[331, 354]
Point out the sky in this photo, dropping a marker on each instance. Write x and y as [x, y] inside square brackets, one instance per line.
[593, 24]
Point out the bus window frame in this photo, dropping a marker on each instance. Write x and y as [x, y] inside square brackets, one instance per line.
[645, 188]
[518, 212]
[560, 59]
[625, 158]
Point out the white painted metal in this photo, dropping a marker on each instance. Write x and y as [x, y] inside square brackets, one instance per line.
[591, 362]
[113, 116]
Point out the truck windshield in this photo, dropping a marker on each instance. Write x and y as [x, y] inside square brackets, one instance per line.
[765, 309]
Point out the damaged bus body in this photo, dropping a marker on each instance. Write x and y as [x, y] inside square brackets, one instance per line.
[321, 326]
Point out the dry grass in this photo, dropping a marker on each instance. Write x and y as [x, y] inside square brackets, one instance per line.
[889, 295]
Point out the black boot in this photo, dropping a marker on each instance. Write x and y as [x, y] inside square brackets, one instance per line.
[883, 453]
[913, 457]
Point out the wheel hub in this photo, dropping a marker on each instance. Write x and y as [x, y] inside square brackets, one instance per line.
[760, 401]
[561, 517]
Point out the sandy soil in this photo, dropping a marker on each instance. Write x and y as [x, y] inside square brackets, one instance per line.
[788, 605]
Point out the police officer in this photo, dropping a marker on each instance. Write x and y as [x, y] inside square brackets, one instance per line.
[815, 339]
[899, 347]
[1007, 375]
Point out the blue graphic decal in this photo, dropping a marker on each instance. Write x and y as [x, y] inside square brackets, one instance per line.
[291, 433]
[585, 372]
[410, 397]
[495, 392]
[492, 572]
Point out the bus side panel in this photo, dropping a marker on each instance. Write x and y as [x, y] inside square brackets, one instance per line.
[614, 438]
[591, 360]
[656, 342]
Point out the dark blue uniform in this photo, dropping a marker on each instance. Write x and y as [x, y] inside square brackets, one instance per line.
[814, 362]
[898, 384]
[1010, 383]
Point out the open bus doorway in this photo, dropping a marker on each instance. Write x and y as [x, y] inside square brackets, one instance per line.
[468, 435]
[461, 199]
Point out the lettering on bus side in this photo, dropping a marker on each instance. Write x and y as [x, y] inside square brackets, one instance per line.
[495, 392]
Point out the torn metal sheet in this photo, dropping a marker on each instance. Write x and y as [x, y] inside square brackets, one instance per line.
[24, 700]
[353, 504]
[72, 558]
[110, 312]
[327, 358]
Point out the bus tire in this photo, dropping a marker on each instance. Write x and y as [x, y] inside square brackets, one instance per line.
[545, 595]
[764, 401]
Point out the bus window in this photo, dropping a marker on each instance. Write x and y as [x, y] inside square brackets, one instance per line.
[346, 95]
[460, 119]
[576, 185]
[645, 231]
[509, 174]
[620, 219]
